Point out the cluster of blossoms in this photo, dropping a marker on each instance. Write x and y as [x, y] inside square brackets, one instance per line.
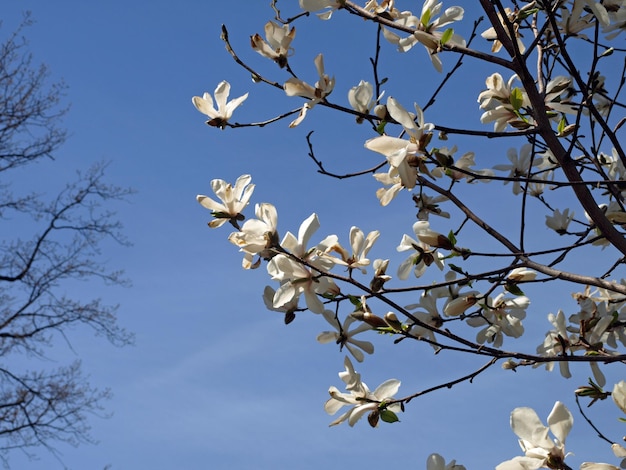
[596, 328]
[303, 270]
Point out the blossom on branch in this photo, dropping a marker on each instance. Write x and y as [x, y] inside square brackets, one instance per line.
[502, 103]
[361, 98]
[277, 47]
[491, 34]
[344, 336]
[257, 236]
[361, 245]
[429, 30]
[234, 200]
[221, 115]
[317, 5]
[540, 451]
[323, 87]
[424, 255]
[362, 400]
[404, 156]
[296, 278]
[502, 316]
[520, 165]
[559, 221]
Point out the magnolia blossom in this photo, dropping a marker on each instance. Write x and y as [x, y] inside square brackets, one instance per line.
[437, 462]
[501, 316]
[297, 279]
[361, 245]
[345, 337]
[380, 274]
[316, 5]
[257, 235]
[359, 397]
[323, 87]
[288, 309]
[429, 205]
[558, 342]
[385, 6]
[619, 395]
[491, 35]
[574, 18]
[393, 185]
[617, 18]
[221, 115]
[428, 313]
[559, 221]
[554, 99]
[540, 451]
[361, 97]
[497, 101]
[402, 154]
[464, 162]
[520, 165]
[278, 42]
[234, 200]
[428, 30]
[423, 256]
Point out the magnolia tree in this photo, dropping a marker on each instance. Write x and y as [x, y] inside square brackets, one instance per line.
[553, 71]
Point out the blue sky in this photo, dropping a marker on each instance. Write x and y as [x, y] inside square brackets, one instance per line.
[214, 380]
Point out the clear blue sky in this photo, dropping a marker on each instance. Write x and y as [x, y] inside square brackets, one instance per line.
[214, 380]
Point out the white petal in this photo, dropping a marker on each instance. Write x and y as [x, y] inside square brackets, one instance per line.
[560, 421]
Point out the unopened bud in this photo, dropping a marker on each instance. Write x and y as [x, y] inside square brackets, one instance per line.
[370, 319]
[392, 321]
[373, 418]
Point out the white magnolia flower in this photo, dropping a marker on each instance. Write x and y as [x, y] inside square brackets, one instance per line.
[296, 278]
[540, 451]
[359, 396]
[221, 115]
[380, 274]
[501, 316]
[619, 395]
[429, 205]
[402, 154]
[288, 309]
[491, 35]
[428, 313]
[465, 162]
[393, 185]
[497, 102]
[277, 47]
[437, 462]
[554, 99]
[323, 87]
[423, 254]
[520, 165]
[317, 5]
[361, 97]
[558, 342]
[617, 18]
[257, 235]
[574, 19]
[234, 200]
[429, 29]
[361, 245]
[559, 221]
[345, 337]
